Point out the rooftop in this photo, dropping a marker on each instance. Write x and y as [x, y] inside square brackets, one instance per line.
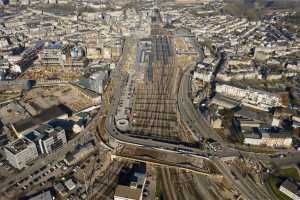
[42, 196]
[127, 192]
[46, 115]
[44, 131]
[291, 186]
[18, 145]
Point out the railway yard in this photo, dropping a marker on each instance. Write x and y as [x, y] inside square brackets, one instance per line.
[152, 85]
[132, 103]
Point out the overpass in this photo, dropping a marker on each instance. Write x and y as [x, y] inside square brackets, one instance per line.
[184, 167]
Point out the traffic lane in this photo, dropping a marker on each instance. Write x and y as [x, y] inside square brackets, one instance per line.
[192, 117]
[289, 159]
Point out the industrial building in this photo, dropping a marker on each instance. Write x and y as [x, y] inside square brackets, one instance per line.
[20, 152]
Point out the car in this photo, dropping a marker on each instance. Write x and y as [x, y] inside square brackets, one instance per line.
[145, 193]
[282, 156]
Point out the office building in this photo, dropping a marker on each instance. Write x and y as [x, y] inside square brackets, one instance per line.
[20, 152]
[47, 138]
[96, 82]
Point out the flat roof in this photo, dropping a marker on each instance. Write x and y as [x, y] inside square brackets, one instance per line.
[70, 184]
[127, 192]
[46, 115]
[18, 145]
[42, 196]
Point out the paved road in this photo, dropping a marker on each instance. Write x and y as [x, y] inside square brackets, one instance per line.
[40, 163]
[192, 118]
[43, 161]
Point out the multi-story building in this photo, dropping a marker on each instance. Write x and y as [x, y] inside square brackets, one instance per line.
[53, 55]
[265, 137]
[250, 97]
[47, 138]
[20, 152]
[96, 82]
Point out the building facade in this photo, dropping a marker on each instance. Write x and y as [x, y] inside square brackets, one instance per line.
[20, 152]
[48, 139]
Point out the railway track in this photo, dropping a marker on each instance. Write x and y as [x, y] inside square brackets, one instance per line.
[154, 105]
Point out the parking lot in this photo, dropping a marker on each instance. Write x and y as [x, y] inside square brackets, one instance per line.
[39, 177]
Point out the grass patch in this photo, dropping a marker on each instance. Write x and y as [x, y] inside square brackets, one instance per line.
[273, 183]
[255, 149]
[289, 172]
[158, 184]
[275, 180]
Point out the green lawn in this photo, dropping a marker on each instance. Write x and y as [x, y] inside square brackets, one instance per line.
[289, 172]
[158, 184]
[272, 181]
[276, 179]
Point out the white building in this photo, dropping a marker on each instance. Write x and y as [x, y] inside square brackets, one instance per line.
[53, 55]
[290, 189]
[20, 152]
[269, 139]
[250, 97]
[47, 138]
[204, 76]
